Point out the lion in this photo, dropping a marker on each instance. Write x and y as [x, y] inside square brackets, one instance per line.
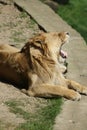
[6, 48]
[36, 67]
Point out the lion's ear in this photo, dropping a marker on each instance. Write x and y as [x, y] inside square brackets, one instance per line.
[37, 41]
[40, 39]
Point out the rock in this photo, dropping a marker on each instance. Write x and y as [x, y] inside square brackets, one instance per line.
[52, 4]
[62, 1]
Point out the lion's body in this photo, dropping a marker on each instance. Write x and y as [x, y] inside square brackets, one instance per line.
[36, 68]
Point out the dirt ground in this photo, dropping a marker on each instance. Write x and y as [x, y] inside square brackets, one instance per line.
[16, 27]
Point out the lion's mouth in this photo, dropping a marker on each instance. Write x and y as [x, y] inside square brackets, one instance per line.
[63, 54]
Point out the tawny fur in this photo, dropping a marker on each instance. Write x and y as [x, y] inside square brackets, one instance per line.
[36, 67]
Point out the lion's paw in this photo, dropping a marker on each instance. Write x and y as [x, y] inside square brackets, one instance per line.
[84, 91]
[75, 96]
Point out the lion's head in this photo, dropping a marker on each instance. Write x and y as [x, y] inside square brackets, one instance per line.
[48, 44]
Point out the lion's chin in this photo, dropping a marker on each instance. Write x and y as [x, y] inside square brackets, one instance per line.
[63, 54]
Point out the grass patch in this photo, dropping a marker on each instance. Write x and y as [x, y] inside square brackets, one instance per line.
[1, 125]
[42, 119]
[23, 14]
[32, 23]
[17, 36]
[75, 13]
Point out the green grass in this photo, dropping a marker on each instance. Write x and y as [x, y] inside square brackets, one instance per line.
[32, 23]
[75, 13]
[17, 36]
[42, 119]
[23, 14]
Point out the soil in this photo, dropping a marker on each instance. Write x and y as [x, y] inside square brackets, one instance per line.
[16, 27]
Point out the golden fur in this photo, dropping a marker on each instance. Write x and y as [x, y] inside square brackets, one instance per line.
[36, 67]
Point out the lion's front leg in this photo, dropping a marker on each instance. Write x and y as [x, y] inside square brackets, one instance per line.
[50, 91]
[76, 86]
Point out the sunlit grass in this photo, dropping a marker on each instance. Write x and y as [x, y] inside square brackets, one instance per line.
[75, 13]
[42, 119]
